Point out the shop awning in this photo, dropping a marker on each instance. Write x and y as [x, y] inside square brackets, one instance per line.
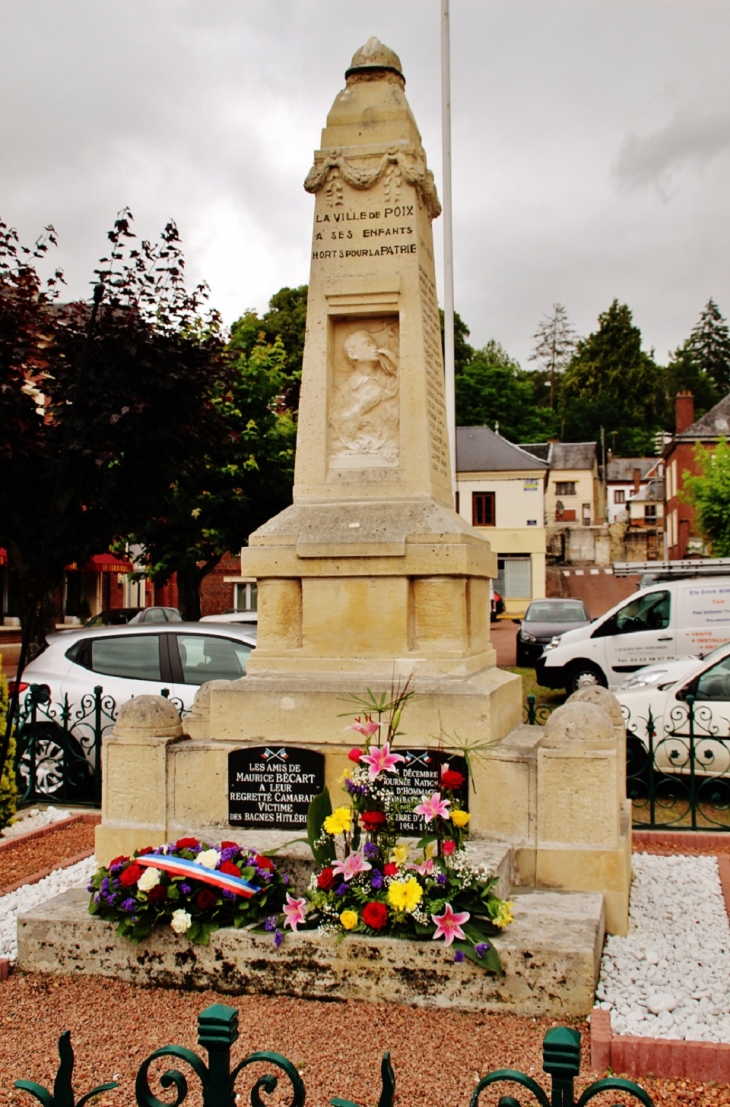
[104, 563]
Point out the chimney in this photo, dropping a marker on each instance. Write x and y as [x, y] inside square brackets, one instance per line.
[637, 480]
[685, 411]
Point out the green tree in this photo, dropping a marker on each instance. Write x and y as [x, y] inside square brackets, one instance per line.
[685, 374]
[709, 344]
[554, 345]
[612, 383]
[492, 391]
[463, 352]
[286, 320]
[709, 493]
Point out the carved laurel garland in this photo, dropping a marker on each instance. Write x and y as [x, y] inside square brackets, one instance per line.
[412, 165]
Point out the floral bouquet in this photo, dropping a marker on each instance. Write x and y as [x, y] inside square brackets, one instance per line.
[192, 886]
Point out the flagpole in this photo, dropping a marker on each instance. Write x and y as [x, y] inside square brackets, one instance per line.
[448, 239]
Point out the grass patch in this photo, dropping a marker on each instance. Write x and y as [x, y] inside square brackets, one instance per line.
[531, 687]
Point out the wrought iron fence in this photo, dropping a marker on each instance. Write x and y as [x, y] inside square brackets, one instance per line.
[58, 746]
[678, 772]
[218, 1031]
[536, 714]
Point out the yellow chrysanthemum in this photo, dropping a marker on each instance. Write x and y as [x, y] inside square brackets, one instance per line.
[504, 915]
[339, 822]
[346, 774]
[399, 854]
[431, 849]
[404, 895]
[349, 919]
[460, 818]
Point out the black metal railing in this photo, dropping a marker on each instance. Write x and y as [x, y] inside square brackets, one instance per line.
[678, 773]
[218, 1032]
[58, 746]
[536, 714]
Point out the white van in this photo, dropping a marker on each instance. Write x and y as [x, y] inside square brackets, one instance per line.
[669, 619]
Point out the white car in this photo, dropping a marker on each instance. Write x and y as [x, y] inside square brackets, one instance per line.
[125, 661]
[658, 698]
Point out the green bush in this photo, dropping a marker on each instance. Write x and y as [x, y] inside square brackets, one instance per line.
[8, 788]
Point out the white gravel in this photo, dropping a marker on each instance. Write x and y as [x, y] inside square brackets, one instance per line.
[34, 820]
[670, 977]
[30, 895]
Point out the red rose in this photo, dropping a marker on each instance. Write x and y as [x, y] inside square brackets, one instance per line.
[372, 820]
[145, 851]
[156, 894]
[230, 845]
[263, 862]
[448, 848]
[390, 869]
[131, 875]
[205, 898]
[230, 868]
[375, 915]
[354, 755]
[187, 843]
[326, 879]
[118, 861]
[451, 779]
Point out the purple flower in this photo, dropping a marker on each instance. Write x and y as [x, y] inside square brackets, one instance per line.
[105, 885]
[117, 868]
[285, 878]
[458, 956]
[341, 890]
[278, 938]
[440, 878]
[370, 850]
[228, 895]
[270, 923]
[111, 900]
[186, 889]
[229, 853]
[97, 897]
[129, 905]
[89, 887]
[264, 874]
[481, 948]
[376, 880]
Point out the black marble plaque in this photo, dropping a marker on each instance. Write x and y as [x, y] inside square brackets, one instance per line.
[420, 775]
[270, 787]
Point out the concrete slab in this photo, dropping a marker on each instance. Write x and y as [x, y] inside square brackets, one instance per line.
[551, 956]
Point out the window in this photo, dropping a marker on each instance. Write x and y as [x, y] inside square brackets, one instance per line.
[482, 509]
[565, 488]
[714, 683]
[586, 515]
[514, 577]
[245, 596]
[204, 657]
[650, 513]
[619, 496]
[649, 612]
[136, 657]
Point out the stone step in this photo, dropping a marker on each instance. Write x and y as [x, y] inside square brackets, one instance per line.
[550, 953]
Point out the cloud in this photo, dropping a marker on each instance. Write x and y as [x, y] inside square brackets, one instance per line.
[653, 160]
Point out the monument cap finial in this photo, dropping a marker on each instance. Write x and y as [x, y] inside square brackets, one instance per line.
[373, 55]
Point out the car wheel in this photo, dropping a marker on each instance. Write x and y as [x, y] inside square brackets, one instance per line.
[62, 771]
[584, 675]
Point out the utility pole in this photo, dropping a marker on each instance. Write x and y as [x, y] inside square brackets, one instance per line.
[448, 240]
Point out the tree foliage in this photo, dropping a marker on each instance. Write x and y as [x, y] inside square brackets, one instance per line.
[554, 345]
[285, 321]
[612, 383]
[709, 345]
[709, 493]
[492, 390]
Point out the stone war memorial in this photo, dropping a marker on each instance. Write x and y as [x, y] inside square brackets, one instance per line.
[367, 581]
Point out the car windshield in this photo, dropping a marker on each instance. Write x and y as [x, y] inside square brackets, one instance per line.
[570, 611]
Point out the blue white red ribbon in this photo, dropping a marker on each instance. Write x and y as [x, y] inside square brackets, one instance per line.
[179, 866]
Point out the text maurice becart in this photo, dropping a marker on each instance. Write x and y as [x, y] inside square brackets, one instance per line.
[272, 787]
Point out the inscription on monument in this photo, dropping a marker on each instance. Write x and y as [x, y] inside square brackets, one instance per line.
[435, 400]
[272, 787]
[420, 775]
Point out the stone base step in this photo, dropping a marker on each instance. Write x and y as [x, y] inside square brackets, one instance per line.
[550, 954]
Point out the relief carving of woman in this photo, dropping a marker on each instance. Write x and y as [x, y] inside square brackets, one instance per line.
[365, 412]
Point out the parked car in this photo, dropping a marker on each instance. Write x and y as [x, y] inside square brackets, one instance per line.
[126, 661]
[245, 618]
[657, 696]
[671, 619]
[544, 621]
[119, 616]
[157, 615]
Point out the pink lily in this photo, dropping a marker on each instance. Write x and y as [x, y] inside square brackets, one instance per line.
[367, 729]
[295, 911]
[433, 808]
[381, 760]
[425, 868]
[353, 864]
[448, 925]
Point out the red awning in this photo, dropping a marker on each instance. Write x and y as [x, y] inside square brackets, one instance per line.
[3, 556]
[104, 563]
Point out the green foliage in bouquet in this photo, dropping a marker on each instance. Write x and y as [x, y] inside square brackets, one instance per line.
[140, 898]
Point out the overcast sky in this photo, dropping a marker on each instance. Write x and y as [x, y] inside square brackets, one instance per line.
[591, 143]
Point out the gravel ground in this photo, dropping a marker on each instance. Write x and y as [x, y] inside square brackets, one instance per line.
[20, 859]
[437, 1055]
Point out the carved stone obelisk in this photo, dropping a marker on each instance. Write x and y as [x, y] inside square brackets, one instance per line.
[370, 572]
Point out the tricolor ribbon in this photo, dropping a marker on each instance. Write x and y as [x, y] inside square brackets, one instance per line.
[178, 866]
